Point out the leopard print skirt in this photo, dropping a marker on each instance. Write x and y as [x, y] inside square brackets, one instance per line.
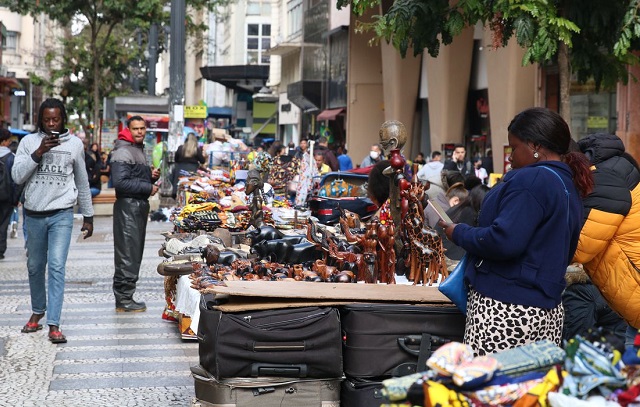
[493, 325]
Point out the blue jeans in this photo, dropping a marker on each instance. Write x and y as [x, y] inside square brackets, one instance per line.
[94, 191]
[48, 245]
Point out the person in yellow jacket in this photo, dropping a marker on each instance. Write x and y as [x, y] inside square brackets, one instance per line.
[609, 245]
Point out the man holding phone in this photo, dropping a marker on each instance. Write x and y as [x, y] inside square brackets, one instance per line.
[134, 182]
[50, 164]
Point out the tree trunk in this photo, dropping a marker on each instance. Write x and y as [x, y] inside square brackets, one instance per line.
[564, 71]
[96, 99]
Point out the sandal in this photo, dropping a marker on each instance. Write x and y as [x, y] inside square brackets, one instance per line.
[57, 337]
[31, 327]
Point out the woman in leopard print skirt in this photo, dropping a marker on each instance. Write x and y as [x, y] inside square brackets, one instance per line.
[527, 232]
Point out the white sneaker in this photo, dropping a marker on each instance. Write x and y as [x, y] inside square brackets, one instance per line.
[14, 230]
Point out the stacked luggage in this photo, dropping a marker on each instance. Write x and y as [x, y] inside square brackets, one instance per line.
[283, 357]
[300, 356]
[381, 341]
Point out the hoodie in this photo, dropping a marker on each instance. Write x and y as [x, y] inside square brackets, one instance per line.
[129, 170]
[57, 180]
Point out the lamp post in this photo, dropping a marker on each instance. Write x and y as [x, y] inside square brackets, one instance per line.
[176, 86]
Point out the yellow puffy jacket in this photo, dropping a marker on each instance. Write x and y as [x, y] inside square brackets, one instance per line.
[609, 245]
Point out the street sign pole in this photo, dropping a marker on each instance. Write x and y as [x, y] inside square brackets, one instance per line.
[176, 88]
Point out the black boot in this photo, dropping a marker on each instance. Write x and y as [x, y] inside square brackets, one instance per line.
[131, 306]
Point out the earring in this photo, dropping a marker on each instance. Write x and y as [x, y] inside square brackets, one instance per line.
[536, 155]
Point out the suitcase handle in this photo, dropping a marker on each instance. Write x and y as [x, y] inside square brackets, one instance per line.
[278, 347]
[265, 369]
[416, 341]
[425, 343]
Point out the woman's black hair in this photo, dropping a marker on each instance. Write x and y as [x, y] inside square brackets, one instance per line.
[543, 127]
[546, 128]
[378, 183]
[52, 103]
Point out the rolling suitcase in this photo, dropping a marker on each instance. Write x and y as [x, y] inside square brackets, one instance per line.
[264, 392]
[361, 393]
[385, 340]
[291, 342]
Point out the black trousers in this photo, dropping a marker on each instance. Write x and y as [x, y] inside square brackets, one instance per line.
[129, 230]
[6, 209]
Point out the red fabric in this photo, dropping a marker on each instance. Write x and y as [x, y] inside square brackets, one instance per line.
[125, 135]
[361, 170]
[629, 396]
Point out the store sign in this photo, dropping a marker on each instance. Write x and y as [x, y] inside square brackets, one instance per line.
[19, 93]
[597, 122]
[195, 112]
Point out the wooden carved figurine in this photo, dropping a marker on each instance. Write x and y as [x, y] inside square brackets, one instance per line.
[255, 185]
[426, 257]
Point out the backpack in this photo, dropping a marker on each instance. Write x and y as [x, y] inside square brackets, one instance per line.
[6, 184]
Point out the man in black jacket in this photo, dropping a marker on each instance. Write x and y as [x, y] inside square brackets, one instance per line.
[329, 157]
[458, 162]
[134, 182]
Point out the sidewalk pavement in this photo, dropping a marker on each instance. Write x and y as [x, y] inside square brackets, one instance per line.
[110, 359]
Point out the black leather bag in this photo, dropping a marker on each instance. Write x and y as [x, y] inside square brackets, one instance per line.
[291, 342]
[386, 340]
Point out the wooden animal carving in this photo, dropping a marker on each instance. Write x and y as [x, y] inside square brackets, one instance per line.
[426, 252]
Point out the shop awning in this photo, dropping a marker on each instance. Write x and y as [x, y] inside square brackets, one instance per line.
[329, 114]
[241, 78]
[219, 112]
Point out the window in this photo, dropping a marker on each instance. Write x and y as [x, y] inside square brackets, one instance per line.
[294, 18]
[258, 41]
[10, 41]
[259, 8]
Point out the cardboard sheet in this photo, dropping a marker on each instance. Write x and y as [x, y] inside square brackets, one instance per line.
[251, 295]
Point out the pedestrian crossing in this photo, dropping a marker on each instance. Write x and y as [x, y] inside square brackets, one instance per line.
[110, 359]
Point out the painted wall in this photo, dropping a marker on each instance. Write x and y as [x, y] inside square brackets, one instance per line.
[512, 88]
[365, 102]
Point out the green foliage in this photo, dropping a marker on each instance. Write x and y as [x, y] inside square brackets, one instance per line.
[599, 34]
[102, 55]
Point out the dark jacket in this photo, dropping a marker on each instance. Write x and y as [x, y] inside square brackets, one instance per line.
[329, 157]
[465, 169]
[94, 166]
[609, 246]
[129, 170]
[527, 234]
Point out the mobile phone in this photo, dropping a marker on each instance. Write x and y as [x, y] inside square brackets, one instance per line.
[442, 214]
[55, 134]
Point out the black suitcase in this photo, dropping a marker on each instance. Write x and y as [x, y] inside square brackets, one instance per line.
[264, 392]
[292, 342]
[361, 393]
[385, 340]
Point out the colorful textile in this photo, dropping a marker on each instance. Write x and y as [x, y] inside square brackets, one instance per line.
[504, 394]
[537, 396]
[396, 389]
[437, 394]
[590, 366]
[473, 373]
[529, 358]
[448, 357]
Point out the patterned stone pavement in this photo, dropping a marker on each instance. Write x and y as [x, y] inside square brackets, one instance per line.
[110, 359]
